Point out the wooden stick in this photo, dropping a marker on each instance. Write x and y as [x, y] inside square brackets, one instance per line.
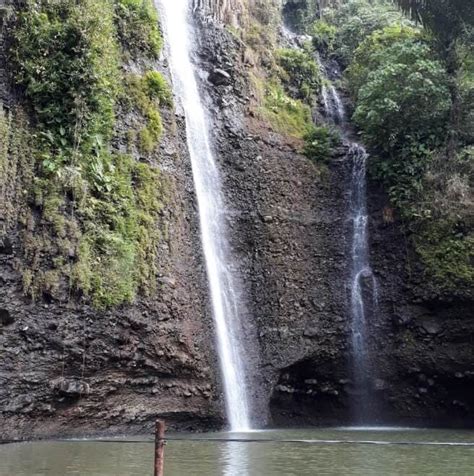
[159, 447]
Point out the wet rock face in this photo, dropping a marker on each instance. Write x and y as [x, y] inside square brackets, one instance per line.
[6, 318]
[289, 229]
[69, 369]
[292, 235]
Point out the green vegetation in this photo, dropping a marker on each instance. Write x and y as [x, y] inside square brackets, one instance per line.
[117, 253]
[137, 27]
[299, 14]
[96, 232]
[16, 167]
[447, 19]
[320, 142]
[300, 75]
[67, 61]
[158, 88]
[323, 36]
[145, 94]
[402, 107]
[343, 29]
[286, 115]
[413, 91]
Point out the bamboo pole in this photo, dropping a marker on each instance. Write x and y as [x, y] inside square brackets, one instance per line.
[159, 447]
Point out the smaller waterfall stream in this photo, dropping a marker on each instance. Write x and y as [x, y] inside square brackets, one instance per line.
[333, 107]
[363, 284]
[224, 287]
[362, 278]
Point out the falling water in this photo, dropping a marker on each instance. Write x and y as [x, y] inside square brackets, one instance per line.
[224, 289]
[332, 104]
[361, 275]
[339, 108]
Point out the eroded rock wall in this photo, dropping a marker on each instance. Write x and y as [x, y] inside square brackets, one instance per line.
[291, 230]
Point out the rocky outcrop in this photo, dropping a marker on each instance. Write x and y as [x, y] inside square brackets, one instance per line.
[68, 369]
[228, 12]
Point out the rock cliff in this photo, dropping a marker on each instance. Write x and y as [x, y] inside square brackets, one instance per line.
[69, 369]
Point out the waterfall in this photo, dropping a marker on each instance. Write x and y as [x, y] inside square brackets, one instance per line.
[361, 272]
[338, 106]
[223, 285]
[360, 277]
[332, 104]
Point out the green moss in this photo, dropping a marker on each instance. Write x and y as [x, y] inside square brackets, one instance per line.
[158, 88]
[144, 94]
[97, 227]
[286, 115]
[117, 252]
[16, 167]
[447, 254]
[106, 268]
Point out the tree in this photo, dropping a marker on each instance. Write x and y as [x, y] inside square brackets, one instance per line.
[447, 19]
[451, 23]
[402, 103]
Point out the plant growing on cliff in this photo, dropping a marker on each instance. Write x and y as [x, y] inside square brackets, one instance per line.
[320, 142]
[402, 105]
[301, 74]
[405, 98]
[286, 115]
[66, 59]
[145, 94]
[98, 209]
[323, 36]
[137, 27]
[351, 22]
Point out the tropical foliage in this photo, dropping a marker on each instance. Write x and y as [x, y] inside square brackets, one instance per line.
[92, 226]
[411, 79]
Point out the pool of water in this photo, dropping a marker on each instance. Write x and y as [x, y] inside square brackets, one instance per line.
[338, 452]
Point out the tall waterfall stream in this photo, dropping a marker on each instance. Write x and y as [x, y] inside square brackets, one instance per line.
[225, 291]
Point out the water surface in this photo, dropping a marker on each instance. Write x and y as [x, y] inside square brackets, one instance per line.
[335, 452]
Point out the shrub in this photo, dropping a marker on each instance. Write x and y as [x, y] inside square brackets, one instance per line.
[66, 58]
[302, 75]
[158, 87]
[380, 48]
[324, 35]
[320, 142]
[402, 105]
[355, 20]
[137, 25]
[286, 115]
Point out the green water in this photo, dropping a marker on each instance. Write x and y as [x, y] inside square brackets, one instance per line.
[335, 452]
